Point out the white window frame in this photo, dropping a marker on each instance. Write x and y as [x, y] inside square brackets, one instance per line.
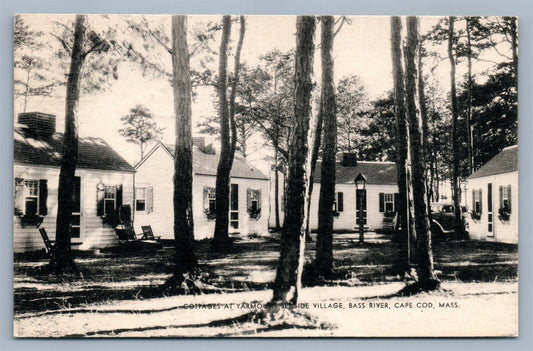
[211, 196]
[28, 188]
[388, 198]
[106, 198]
[140, 198]
[505, 197]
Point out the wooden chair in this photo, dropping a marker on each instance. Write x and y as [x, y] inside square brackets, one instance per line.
[125, 233]
[148, 234]
[49, 244]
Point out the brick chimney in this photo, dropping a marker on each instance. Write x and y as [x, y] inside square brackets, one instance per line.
[349, 159]
[39, 123]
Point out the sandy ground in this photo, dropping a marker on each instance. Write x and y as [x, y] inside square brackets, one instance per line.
[460, 309]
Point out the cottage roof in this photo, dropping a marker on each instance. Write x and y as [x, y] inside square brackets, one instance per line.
[206, 162]
[504, 162]
[379, 173]
[93, 153]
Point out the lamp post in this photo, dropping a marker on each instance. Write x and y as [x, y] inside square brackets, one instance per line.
[360, 184]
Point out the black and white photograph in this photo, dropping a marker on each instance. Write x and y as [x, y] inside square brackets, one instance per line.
[207, 176]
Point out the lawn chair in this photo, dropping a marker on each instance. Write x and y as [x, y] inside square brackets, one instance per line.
[49, 244]
[148, 234]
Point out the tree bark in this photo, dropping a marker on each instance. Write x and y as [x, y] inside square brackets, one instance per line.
[185, 258]
[221, 236]
[456, 191]
[228, 133]
[425, 127]
[324, 244]
[402, 135]
[62, 256]
[424, 254]
[276, 190]
[288, 274]
[469, 135]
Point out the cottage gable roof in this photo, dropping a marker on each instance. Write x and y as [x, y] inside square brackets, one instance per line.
[205, 163]
[504, 162]
[93, 153]
[378, 173]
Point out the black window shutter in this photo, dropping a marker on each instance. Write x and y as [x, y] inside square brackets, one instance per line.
[43, 197]
[100, 191]
[381, 202]
[340, 202]
[509, 197]
[396, 200]
[474, 201]
[480, 201]
[119, 198]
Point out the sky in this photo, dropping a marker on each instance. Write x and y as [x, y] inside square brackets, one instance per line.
[361, 48]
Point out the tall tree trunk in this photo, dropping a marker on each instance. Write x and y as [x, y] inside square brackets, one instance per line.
[315, 148]
[424, 117]
[185, 258]
[288, 274]
[424, 254]
[228, 133]
[324, 244]
[456, 191]
[62, 256]
[276, 190]
[469, 136]
[221, 236]
[402, 135]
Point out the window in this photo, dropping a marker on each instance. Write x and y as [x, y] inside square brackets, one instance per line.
[505, 197]
[476, 201]
[110, 199]
[338, 202]
[209, 200]
[140, 199]
[31, 198]
[389, 202]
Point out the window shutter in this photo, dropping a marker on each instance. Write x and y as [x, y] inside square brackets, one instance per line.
[19, 196]
[149, 201]
[396, 200]
[43, 197]
[501, 196]
[340, 201]
[119, 195]
[473, 201]
[509, 197]
[206, 197]
[259, 199]
[480, 202]
[249, 199]
[100, 192]
[364, 200]
[381, 202]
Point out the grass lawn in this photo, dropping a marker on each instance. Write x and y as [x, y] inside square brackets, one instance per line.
[108, 276]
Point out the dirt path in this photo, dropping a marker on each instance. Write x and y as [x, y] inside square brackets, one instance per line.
[461, 309]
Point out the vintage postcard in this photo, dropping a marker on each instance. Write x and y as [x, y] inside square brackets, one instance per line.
[265, 176]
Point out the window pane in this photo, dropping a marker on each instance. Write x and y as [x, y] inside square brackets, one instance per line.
[74, 232]
[140, 205]
[389, 207]
[140, 193]
[31, 206]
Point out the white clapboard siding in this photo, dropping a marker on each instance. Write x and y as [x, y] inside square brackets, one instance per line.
[92, 234]
[346, 221]
[503, 231]
[157, 171]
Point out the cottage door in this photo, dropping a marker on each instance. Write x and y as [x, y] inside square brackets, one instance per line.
[490, 213]
[75, 220]
[360, 205]
[234, 208]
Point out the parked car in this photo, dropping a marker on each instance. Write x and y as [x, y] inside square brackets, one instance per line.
[443, 221]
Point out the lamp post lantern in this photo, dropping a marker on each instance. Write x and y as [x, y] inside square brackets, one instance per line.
[360, 185]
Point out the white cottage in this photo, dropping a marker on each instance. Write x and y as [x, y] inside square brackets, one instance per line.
[379, 196]
[104, 181]
[154, 193]
[493, 190]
